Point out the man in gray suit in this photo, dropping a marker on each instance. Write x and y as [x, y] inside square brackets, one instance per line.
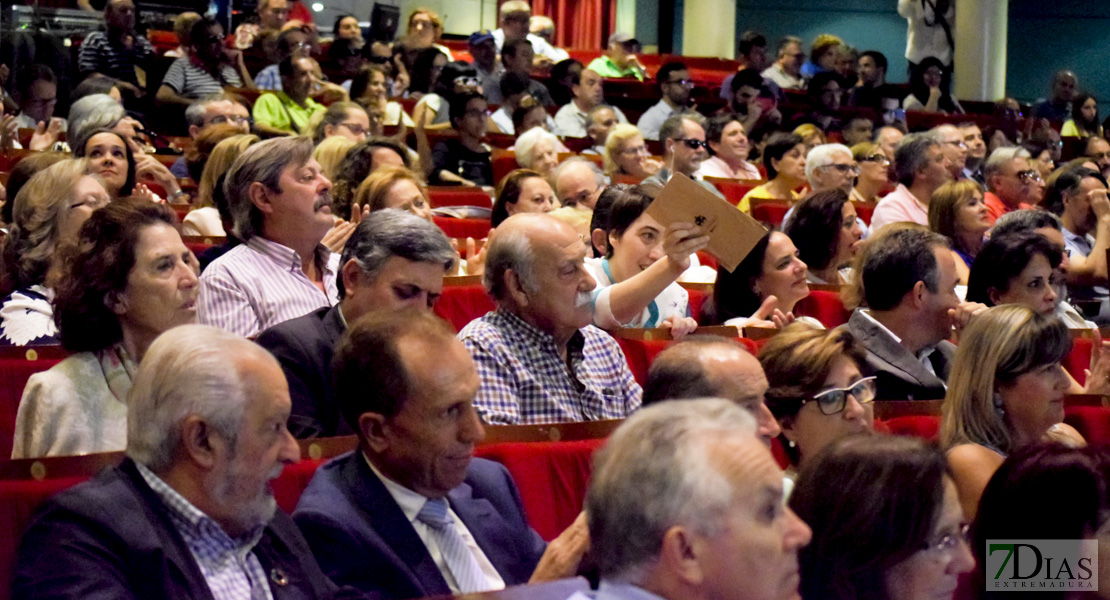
[909, 286]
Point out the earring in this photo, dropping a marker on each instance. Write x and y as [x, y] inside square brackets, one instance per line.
[998, 405]
[790, 443]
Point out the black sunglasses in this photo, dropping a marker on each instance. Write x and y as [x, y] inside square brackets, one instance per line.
[694, 144]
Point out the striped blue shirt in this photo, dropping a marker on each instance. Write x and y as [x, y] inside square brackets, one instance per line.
[100, 54]
[228, 565]
[261, 283]
[526, 381]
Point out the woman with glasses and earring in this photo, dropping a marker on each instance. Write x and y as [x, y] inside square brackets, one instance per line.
[1005, 392]
[874, 173]
[817, 392]
[626, 153]
[886, 520]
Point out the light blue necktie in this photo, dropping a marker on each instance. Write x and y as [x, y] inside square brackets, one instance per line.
[459, 559]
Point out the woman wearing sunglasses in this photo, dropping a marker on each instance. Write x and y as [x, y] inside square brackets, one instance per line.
[817, 392]
[874, 173]
[1005, 392]
[886, 520]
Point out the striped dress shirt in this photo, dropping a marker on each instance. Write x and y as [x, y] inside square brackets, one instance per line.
[261, 283]
[228, 565]
[525, 380]
[99, 54]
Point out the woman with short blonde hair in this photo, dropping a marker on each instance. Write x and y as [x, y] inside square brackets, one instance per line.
[1005, 391]
[205, 218]
[330, 152]
[394, 187]
[627, 154]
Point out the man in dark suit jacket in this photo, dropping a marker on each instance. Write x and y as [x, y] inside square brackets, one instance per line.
[406, 385]
[909, 284]
[193, 481]
[392, 260]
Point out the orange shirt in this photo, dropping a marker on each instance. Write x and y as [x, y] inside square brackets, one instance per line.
[996, 207]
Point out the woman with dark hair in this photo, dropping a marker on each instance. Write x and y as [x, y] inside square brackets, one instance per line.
[827, 234]
[450, 80]
[1016, 268]
[817, 392]
[874, 173]
[370, 90]
[426, 70]
[521, 191]
[111, 159]
[784, 157]
[886, 522]
[127, 279]
[957, 212]
[926, 92]
[1030, 482]
[1040, 157]
[1084, 118]
[825, 93]
[49, 211]
[1006, 391]
[763, 289]
[346, 27]
[357, 165]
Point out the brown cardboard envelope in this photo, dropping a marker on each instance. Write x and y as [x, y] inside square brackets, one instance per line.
[732, 233]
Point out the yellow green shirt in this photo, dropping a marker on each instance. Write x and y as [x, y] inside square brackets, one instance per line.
[760, 193]
[605, 67]
[278, 110]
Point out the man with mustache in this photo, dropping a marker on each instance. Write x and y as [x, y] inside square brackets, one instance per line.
[280, 203]
[538, 357]
[412, 513]
[686, 503]
[189, 513]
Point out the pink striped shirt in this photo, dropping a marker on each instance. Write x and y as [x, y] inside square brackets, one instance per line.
[260, 284]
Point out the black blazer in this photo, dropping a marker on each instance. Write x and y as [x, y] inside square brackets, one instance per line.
[112, 538]
[898, 374]
[304, 347]
[362, 538]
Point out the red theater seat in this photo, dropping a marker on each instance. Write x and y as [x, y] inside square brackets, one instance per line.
[463, 228]
[825, 306]
[16, 367]
[552, 477]
[1079, 358]
[734, 189]
[926, 427]
[458, 196]
[770, 212]
[1092, 422]
[461, 304]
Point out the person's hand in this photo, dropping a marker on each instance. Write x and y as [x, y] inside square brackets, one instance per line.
[46, 135]
[336, 237]
[963, 313]
[564, 553]
[233, 55]
[9, 132]
[149, 170]
[651, 165]
[135, 90]
[142, 191]
[1100, 204]
[680, 240]
[1098, 376]
[476, 257]
[934, 93]
[768, 316]
[755, 110]
[680, 326]
[359, 213]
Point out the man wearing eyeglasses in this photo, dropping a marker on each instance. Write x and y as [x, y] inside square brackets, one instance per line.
[207, 112]
[684, 147]
[1098, 150]
[920, 167]
[1012, 183]
[675, 84]
[952, 144]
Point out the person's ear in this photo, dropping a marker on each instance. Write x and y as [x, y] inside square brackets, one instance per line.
[329, 130]
[194, 131]
[995, 296]
[351, 272]
[598, 239]
[681, 553]
[515, 287]
[201, 443]
[786, 424]
[260, 197]
[114, 302]
[917, 294]
[373, 427]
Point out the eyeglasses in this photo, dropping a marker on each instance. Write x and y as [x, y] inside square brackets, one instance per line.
[842, 167]
[1029, 176]
[354, 128]
[683, 82]
[833, 401]
[694, 144]
[950, 541]
[877, 158]
[233, 119]
[477, 113]
[466, 81]
[642, 149]
[958, 143]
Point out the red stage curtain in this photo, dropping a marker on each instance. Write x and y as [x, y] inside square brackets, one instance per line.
[580, 24]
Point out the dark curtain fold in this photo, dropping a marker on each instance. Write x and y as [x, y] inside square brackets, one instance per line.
[582, 24]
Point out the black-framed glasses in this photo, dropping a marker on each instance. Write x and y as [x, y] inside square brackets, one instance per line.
[833, 401]
[694, 144]
[949, 541]
[354, 128]
[877, 158]
[466, 81]
[958, 143]
[843, 168]
[1029, 176]
[232, 119]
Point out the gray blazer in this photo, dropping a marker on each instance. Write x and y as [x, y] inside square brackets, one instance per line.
[899, 374]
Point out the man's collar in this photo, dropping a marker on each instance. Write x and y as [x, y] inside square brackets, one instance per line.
[409, 501]
[576, 343]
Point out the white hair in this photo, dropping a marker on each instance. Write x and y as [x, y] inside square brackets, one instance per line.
[665, 448]
[1000, 157]
[189, 370]
[823, 155]
[526, 143]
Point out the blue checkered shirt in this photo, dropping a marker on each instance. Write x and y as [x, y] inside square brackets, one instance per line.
[268, 78]
[525, 381]
[228, 565]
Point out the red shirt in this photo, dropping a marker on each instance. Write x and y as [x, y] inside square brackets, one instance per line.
[996, 207]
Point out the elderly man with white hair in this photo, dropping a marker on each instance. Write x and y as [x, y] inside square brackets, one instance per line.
[952, 144]
[190, 512]
[1012, 182]
[920, 167]
[829, 167]
[714, 525]
[578, 185]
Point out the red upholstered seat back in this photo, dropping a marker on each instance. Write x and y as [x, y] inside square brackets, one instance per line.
[639, 354]
[923, 426]
[1079, 358]
[18, 502]
[293, 481]
[770, 211]
[697, 299]
[552, 478]
[463, 228]
[458, 196]
[825, 306]
[864, 211]
[1092, 422]
[734, 189]
[16, 367]
[461, 304]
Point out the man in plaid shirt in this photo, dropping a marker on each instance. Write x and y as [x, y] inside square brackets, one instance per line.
[539, 359]
[190, 512]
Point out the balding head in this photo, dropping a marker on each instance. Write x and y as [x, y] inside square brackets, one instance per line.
[579, 182]
[952, 145]
[705, 366]
[535, 269]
